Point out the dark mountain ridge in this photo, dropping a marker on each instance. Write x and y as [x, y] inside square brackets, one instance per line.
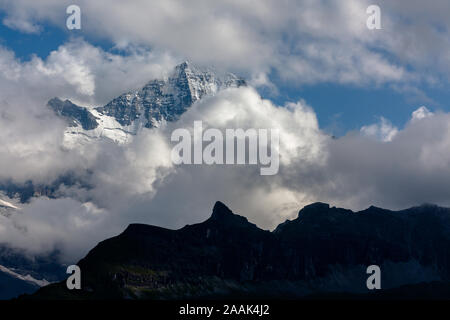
[73, 114]
[325, 250]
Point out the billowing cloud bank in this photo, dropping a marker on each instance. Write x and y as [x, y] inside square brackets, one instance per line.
[138, 182]
[301, 42]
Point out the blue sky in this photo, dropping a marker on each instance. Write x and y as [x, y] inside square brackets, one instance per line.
[340, 107]
[24, 45]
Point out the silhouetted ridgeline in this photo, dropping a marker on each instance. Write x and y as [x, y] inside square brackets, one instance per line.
[322, 253]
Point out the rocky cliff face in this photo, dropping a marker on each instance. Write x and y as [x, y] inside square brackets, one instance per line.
[73, 114]
[323, 250]
[158, 101]
[167, 99]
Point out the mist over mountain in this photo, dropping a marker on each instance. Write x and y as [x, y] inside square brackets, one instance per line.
[109, 165]
[121, 119]
[325, 250]
[159, 101]
[95, 94]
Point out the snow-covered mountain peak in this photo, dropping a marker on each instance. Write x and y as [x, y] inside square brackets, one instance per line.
[159, 100]
[166, 99]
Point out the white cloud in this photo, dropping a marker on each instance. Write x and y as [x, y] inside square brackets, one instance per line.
[421, 113]
[64, 225]
[31, 136]
[383, 131]
[21, 25]
[138, 182]
[302, 41]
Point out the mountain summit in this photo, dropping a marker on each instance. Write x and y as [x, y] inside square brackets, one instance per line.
[167, 99]
[158, 101]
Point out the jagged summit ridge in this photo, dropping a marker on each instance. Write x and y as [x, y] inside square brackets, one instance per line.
[167, 99]
[223, 216]
[157, 101]
[220, 210]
